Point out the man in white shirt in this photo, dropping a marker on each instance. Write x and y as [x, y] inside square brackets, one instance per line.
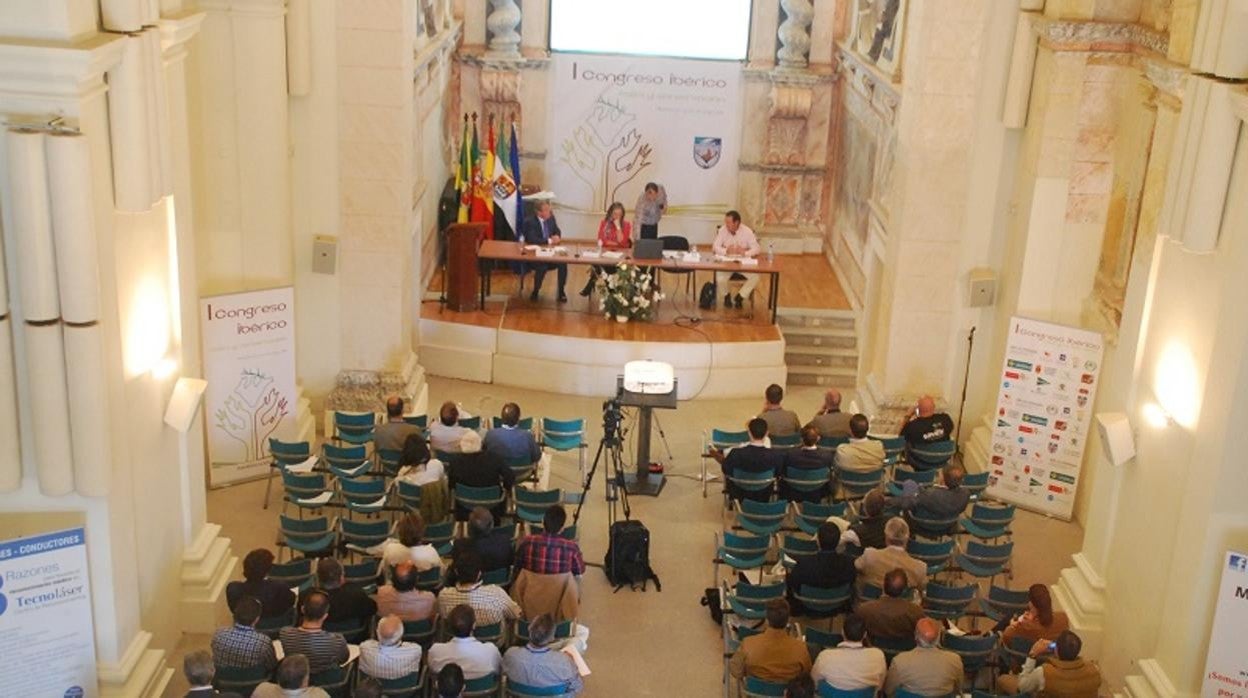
[476, 658]
[388, 657]
[851, 666]
[444, 434]
[735, 240]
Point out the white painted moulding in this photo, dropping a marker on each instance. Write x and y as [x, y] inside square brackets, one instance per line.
[32, 225]
[73, 226]
[10, 451]
[164, 130]
[128, 131]
[1203, 156]
[1022, 67]
[49, 413]
[123, 15]
[88, 410]
[153, 82]
[1219, 47]
[299, 48]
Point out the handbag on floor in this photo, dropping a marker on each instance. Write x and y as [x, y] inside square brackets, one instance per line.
[706, 297]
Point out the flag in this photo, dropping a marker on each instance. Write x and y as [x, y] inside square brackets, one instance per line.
[479, 207]
[514, 156]
[463, 177]
[505, 193]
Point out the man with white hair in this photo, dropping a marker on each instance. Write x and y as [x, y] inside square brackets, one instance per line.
[200, 671]
[830, 420]
[537, 665]
[926, 670]
[875, 563]
[388, 657]
[475, 467]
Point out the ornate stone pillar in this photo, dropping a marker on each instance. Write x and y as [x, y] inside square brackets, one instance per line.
[794, 34]
[503, 22]
[500, 95]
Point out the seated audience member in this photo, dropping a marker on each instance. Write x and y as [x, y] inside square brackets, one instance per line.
[830, 421]
[509, 440]
[199, 671]
[415, 465]
[275, 598]
[927, 669]
[809, 456]
[494, 547]
[347, 602]
[450, 681]
[925, 425]
[323, 650]
[780, 422]
[868, 531]
[241, 646]
[392, 434]
[754, 457]
[892, 616]
[941, 502]
[292, 681]
[474, 657]
[860, 454]
[801, 687]
[540, 666]
[548, 552]
[368, 688]
[490, 604]
[875, 563]
[826, 568]
[1039, 621]
[401, 597]
[476, 468]
[1066, 675]
[733, 239]
[851, 665]
[445, 433]
[411, 546]
[772, 655]
[389, 657]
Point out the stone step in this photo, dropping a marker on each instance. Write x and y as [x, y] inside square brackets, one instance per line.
[820, 356]
[825, 376]
[820, 337]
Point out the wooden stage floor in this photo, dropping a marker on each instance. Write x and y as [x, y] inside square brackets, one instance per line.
[807, 282]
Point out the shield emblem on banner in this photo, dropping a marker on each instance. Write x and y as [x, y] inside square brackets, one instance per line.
[706, 150]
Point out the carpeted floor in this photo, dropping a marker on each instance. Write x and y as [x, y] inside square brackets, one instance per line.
[642, 643]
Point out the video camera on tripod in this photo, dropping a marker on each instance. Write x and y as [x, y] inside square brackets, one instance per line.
[612, 417]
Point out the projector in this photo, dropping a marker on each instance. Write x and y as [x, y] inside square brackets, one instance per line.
[649, 377]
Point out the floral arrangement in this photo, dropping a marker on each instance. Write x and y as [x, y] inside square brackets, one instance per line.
[628, 294]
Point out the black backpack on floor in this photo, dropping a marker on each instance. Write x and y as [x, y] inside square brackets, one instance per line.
[706, 298]
[628, 556]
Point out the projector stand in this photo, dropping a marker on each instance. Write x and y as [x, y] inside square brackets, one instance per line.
[644, 482]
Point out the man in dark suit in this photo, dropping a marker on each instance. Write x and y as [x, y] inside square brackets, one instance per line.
[493, 546]
[542, 229]
[199, 672]
[754, 457]
[474, 467]
[808, 458]
[347, 602]
[826, 568]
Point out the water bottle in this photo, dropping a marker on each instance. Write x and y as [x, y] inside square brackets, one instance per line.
[771, 253]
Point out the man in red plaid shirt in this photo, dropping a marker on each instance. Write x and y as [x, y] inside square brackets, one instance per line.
[548, 552]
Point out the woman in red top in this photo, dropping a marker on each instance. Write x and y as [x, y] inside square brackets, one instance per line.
[614, 233]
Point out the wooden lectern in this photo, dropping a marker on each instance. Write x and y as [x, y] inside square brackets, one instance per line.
[462, 270]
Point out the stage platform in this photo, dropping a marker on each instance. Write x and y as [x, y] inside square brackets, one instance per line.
[571, 348]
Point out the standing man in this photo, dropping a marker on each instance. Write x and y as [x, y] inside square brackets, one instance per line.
[650, 207]
[543, 230]
[735, 240]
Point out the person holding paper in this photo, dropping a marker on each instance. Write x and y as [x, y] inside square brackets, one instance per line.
[650, 208]
[542, 229]
[538, 665]
[614, 233]
[735, 240]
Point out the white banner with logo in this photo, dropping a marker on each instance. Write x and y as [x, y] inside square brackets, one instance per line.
[249, 363]
[617, 122]
[1226, 663]
[47, 638]
[1044, 415]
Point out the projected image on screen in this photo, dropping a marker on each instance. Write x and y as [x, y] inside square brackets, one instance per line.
[716, 29]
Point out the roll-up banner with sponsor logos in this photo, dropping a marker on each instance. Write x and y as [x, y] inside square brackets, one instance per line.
[47, 638]
[249, 363]
[1044, 415]
[1226, 663]
[622, 121]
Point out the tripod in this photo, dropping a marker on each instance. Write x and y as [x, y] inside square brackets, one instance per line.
[611, 445]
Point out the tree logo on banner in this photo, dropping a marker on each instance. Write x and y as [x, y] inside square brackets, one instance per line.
[606, 151]
[252, 412]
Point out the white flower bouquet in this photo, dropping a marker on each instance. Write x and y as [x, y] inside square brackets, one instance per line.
[628, 294]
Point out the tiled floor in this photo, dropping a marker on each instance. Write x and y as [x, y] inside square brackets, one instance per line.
[652, 643]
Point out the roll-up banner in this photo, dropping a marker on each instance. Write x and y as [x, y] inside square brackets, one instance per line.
[249, 363]
[1044, 415]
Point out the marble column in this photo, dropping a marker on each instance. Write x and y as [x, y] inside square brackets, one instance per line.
[503, 22]
[794, 33]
